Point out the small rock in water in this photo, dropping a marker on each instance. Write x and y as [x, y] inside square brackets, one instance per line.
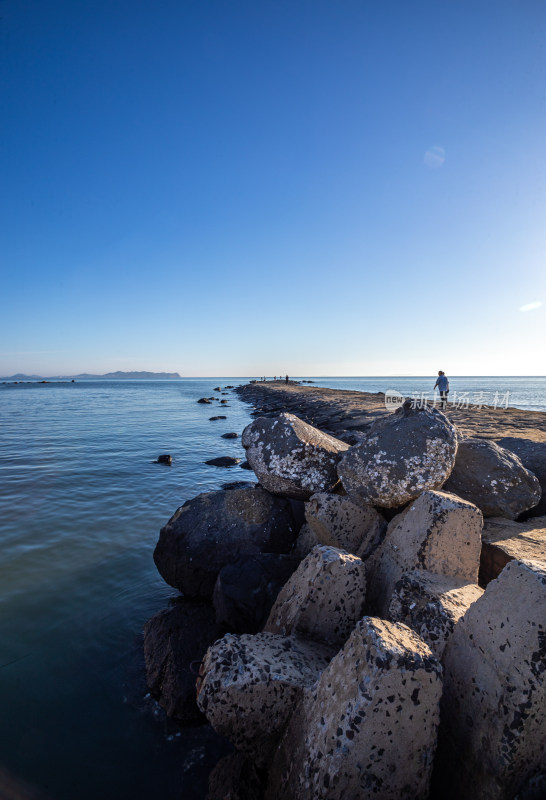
[230, 435]
[212, 419]
[165, 459]
[204, 400]
[245, 465]
[223, 461]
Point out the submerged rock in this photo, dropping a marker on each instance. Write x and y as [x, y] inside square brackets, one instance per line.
[290, 457]
[402, 455]
[492, 478]
[165, 459]
[230, 435]
[223, 461]
[203, 400]
[213, 529]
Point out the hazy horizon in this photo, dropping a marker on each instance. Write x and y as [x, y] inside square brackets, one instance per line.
[324, 188]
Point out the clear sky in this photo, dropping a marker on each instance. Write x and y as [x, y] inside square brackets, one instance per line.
[248, 187]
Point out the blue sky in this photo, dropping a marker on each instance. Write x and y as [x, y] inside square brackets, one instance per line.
[248, 188]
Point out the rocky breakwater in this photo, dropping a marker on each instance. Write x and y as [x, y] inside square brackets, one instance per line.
[346, 647]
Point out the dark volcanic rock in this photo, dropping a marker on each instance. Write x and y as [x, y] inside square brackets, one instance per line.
[246, 590]
[245, 465]
[236, 778]
[223, 461]
[533, 457]
[165, 459]
[290, 457]
[238, 485]
[213, 529]
[204, 400]
[402, 455]
[230, 435]
[492, 478]
[219, 416]
[172, 640]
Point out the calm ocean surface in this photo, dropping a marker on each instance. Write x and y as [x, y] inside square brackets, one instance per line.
[81, 505]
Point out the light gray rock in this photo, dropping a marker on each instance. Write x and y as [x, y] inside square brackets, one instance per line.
[403, 454]
[251, 684]
[345, 522]
[368, 727]
[504, 540]
[290, 457]
[494, 705]
[323, 599]
[213, 529]
[439, 533]
[431, 605]
[492, 478]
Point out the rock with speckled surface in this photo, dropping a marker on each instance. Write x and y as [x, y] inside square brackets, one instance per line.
[345, 522]
[324, 598]
[402, 455]
[213, 529]
[251, 684]
[493, 478]
[290, 457]
[305, 541]
[368, 727]
[438, 532]
[494, 705]
[504, 540]
[431, 605]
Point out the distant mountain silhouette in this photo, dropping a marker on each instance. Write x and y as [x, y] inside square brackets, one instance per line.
[110, 376]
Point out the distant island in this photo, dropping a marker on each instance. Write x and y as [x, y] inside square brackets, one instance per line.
[110, 376]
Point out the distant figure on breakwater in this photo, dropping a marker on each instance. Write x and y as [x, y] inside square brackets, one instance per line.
[443, 385]
[287, 379]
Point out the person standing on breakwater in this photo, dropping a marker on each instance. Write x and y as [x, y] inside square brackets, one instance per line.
[287, 379]
[443, 385]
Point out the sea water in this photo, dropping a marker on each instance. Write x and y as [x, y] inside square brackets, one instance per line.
[81, 505]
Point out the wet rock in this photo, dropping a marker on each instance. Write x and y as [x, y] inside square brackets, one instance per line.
[245, 465]
[230, 436]
[251, 684]
[213, 529]
[217, 389]
[235, 778]
[165, 459]
[492, 478]
[203, 400]
[504, 540]
[402, 455]
[439, 533]
[238, 485]
[345, 522]
[431, 605]
[173, 639]
[324, 598]
[368, 727]
[290, 457]
[494, 705]
[212, 419]
[246, 590]
[223, 402]
[223, 461]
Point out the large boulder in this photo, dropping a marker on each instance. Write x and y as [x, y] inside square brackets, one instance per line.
[251, 684]
[431, 605]
[494, 703]
[290, 457]
[235, 778]
[213, 529]
[532, 455]
[246, 590]
[172, 640]
[492, 478]
[345, 522]
[324, 598]
[504, 540]
[402, 455]
[368, 727]
[439, 533]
